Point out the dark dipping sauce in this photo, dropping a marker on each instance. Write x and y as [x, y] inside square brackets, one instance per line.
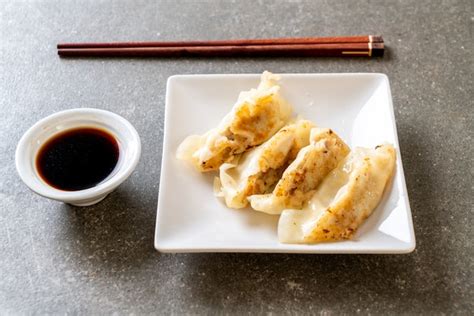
[77, 159]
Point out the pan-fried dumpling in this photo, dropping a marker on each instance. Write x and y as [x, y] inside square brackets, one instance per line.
[257, 115]
[259, 169]
[343, 201]
[304, 174]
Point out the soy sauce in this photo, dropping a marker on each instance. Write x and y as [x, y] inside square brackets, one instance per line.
[77, 159]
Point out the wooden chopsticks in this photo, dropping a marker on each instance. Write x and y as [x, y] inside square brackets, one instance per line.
[349, 46]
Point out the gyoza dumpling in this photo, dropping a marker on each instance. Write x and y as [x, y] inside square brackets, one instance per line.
[257, 115]
[304, 174]
[343, 201]
[259, 169]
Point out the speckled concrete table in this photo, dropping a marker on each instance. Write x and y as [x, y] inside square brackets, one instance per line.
[97, 260]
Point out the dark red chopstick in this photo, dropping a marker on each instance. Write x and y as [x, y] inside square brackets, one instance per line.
[278, 47]
[238, 42]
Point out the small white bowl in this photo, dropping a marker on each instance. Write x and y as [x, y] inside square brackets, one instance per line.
[125, 134]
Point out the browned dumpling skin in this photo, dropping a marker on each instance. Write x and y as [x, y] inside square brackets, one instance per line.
[304, 174]
[343, 201]
[257, 115]
[258, 170]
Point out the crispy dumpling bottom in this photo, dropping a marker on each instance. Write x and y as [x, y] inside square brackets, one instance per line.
[343, 201]
[257, 115]
[304, 174]
[258, 170]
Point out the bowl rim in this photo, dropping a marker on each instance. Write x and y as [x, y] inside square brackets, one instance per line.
[70, 196]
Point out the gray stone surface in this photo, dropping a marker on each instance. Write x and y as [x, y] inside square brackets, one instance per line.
[55, 258]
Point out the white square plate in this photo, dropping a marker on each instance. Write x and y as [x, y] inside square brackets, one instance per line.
[357, 106]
